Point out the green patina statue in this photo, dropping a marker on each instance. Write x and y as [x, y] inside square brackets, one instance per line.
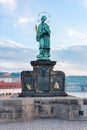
[43, 37]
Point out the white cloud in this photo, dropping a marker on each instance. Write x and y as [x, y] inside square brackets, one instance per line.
[14, 44]
[23, 20]
[72, 32]
[85, 3]
[6, 42]
[9, 4]
[14, 66]
[70, 69]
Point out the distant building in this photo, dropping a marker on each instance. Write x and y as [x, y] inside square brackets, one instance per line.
[8, 78]
[14, 79]
[10, 88]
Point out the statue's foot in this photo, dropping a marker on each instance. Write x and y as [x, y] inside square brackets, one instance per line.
[47, 55]
[39, 56]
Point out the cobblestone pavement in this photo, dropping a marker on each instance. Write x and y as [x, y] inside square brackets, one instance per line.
[45, 124]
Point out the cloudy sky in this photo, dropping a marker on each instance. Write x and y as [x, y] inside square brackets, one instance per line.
[68, 24]
[68, 21]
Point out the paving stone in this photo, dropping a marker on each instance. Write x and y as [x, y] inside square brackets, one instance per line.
[45, 124]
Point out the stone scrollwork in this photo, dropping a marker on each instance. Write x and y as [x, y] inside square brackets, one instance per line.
[43, 71]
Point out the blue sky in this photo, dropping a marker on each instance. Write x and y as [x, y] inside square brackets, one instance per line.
[68, 21]
[68, 24]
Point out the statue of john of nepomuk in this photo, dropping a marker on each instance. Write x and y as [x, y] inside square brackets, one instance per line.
[43, 37]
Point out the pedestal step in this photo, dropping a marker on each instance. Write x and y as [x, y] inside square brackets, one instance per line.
[43, 94]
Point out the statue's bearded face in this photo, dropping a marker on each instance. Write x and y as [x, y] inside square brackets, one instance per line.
[43, 18]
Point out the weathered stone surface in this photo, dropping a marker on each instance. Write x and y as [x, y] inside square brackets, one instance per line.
[58, 108]
[23, 109]
[16, 109]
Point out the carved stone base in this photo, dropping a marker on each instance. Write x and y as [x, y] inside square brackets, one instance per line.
[43, 80]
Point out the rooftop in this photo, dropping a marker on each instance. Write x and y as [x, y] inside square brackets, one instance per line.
[9, 85]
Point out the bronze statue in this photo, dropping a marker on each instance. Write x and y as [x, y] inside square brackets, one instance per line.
[43, 37]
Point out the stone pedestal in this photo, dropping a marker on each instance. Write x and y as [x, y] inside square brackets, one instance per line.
[43, 80]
